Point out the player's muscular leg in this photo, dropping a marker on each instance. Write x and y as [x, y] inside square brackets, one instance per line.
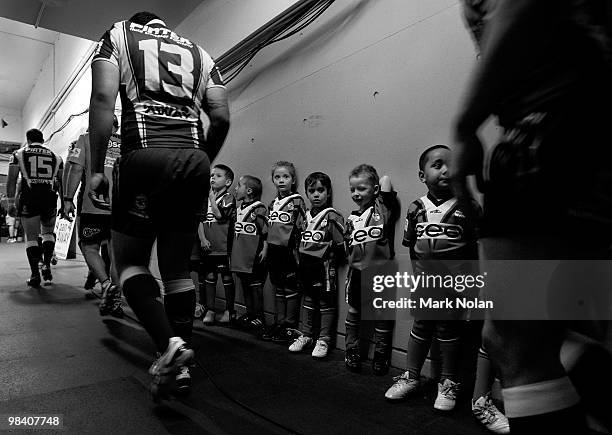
[91, 252]
[173, 253]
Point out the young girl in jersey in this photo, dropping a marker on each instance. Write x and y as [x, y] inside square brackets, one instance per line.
[321, 247]
[286, 214]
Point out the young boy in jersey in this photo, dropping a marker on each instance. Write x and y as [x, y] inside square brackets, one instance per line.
[249, 248]
[220, 217]
[321, 246]
[378, 210]
[286, 214]
[425, 234]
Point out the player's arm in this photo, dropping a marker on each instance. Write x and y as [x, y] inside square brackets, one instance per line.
[216, 106]
[213, 205]
[104, 89]
[517, 32]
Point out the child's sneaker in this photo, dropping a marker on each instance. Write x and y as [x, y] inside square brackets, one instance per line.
[492, 418]
[255, 324]
[380, 363]
[352, 360]
[320, 350]
[300, 343]
[209, 318]
[447, 395]
[268, 331]
[176, 355]
[227, 318]
[242, 322]
[183, 380]
[403, 387]
[281, 335]
[198, 312]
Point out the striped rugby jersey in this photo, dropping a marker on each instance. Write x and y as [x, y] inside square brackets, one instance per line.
[250, 231]
[322, 231]
[440, 230]
[370, 232]
[164, 78]
[285, 220]
[39, 167]
[217, 231]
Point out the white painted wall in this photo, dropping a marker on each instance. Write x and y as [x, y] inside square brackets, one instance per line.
[59, 67]
[13, 131]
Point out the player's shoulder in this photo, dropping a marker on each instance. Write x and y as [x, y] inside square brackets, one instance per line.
[228, 200]
[415, 206]
[335, 215]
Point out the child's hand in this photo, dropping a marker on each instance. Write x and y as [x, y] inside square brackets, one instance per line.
[211, 196]
[264, 252]
[205, 244]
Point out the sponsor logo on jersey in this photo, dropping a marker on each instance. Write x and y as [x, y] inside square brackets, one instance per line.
[246, 228]
[74, 152]
[323, 223]
[375, 216]
[169, 111]
[90, 232]
[440, 231]
[280, 217]
[314, 236]
[434, 211]
[160, 32]
[459, 214]
[366, 234]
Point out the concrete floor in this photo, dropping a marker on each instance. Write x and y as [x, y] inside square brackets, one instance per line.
[58, 356]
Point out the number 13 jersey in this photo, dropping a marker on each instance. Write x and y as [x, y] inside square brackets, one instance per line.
[164, 78]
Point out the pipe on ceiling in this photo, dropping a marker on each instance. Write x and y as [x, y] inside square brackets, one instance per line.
[40, 13]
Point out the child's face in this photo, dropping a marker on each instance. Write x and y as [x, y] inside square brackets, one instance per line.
[283, 180]
[435, 172]
[363, 190]
[218, 179]
[317, 195]
[241, 190]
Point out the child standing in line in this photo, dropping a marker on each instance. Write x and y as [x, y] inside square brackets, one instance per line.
[321, 247]
[376, 216]
[442, 241]
[249, 250]
[286, 214]
[220, 218]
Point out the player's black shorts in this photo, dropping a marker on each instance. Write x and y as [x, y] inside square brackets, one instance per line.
[352, 289]
[159, 190]
[94, 228]
[217, 263]
[43, 204]
[257, 276]
[315, 273]
[282, 266]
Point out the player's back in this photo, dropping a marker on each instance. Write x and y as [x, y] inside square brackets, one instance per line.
[164, 78]
[38, 166]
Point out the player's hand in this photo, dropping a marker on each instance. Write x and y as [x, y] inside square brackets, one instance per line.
[98, 191]
[68, 210]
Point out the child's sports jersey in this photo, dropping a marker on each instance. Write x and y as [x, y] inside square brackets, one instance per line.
[217, 231]
[370, 232]
[285, 220]
[440, 230]
[250, 231]
[322, 232]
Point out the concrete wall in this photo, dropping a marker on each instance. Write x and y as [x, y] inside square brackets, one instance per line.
[58, 68]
